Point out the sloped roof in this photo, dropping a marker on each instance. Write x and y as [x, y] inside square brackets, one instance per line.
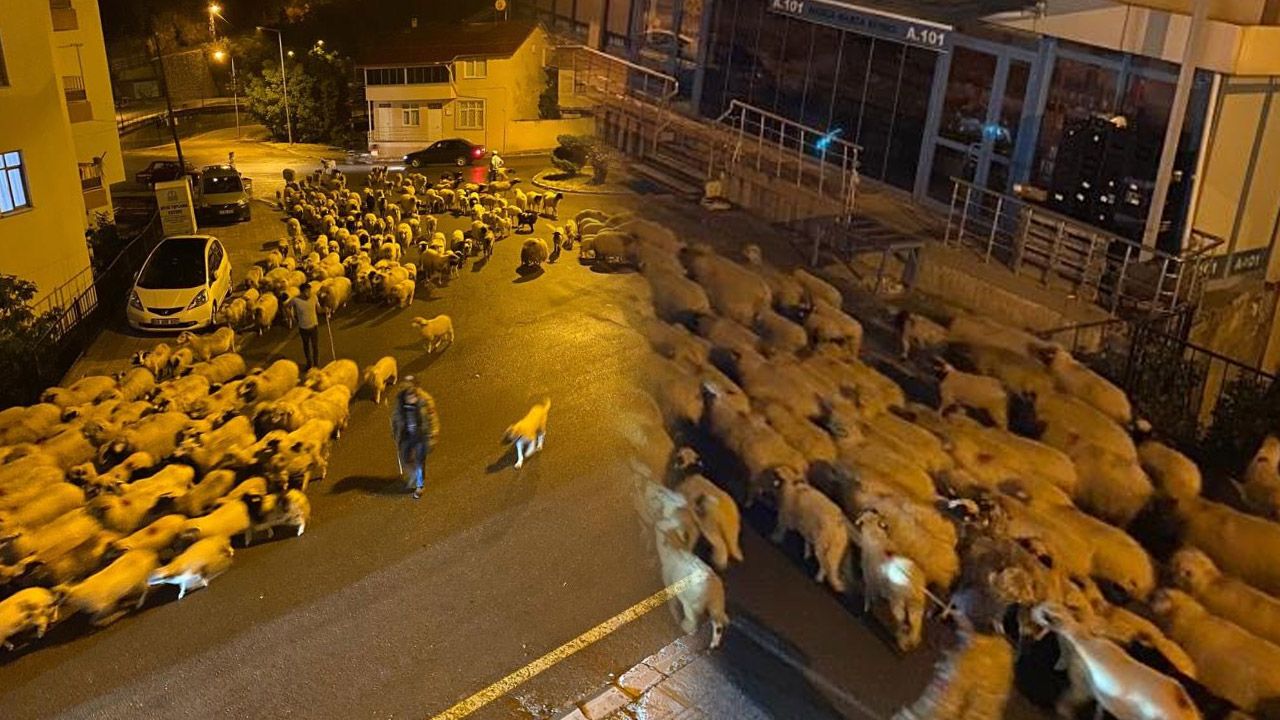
[430, 44]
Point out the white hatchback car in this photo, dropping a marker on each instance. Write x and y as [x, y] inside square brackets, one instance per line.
[181, 285]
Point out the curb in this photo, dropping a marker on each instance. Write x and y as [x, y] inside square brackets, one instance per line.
[632, 685]
[537, 181]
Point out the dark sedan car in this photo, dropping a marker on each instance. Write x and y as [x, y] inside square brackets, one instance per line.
[454, 151]
[162, 171]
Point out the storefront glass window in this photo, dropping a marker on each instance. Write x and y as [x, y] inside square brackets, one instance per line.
[798, 42]
[1005, 133]
[847, 106]
[770, 46]
[964, 109]
[823, 65]
[691, 29]
[1077, 91]
[881, 99]
[909, 120]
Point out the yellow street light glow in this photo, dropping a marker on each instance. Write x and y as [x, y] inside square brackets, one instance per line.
[290, 53]
[320, 43]
[219, 55]
[215, 8]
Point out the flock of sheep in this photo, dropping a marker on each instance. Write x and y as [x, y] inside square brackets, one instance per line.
[914, 506]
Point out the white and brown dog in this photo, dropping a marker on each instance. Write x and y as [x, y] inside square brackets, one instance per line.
[528, 433]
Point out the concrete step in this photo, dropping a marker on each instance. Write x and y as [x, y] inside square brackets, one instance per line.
[662, 175]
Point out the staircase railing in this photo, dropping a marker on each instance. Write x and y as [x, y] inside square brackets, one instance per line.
[1118, 274]
[604, 78]
[792, 151]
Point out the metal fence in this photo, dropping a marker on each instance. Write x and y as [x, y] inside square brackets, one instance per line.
[1118, 274]
[791, 151]
[75, 325]
[601, 76]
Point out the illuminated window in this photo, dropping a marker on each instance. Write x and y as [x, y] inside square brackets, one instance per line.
[472, 69]
[13, 183]
[470, 115]
[412, 114]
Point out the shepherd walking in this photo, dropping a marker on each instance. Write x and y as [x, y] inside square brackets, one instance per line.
[306, 312]
[415, 426]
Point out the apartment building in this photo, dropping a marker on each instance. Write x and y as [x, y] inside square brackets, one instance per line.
[59, 152]
[480, 82]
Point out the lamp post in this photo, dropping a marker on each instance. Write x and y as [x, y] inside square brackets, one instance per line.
[214, 9]
[220, 55]
[284, 82]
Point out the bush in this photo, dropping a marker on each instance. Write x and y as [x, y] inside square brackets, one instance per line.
[20, 333]
[549, 100]
[104, 242]
[577, 151]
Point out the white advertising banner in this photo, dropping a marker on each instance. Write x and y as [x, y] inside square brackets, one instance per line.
[177, 213]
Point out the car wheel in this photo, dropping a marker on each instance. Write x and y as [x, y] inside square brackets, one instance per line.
[461, 161]
[248, 214]
[415, 162]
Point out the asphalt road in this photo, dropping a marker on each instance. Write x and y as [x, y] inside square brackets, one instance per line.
[391, 608]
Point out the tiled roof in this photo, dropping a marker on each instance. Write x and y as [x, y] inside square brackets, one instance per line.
[429, 44]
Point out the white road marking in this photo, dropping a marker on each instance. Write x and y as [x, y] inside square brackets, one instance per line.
[586, 639]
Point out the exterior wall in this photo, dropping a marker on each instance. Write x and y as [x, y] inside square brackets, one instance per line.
[539, 135]
[44, 243]
[81, 52]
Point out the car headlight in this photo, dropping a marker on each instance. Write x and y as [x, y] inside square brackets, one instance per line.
[242, 202]
[201, 298]
[135, 301]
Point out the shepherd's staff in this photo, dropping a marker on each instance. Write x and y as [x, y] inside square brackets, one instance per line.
[329, 327]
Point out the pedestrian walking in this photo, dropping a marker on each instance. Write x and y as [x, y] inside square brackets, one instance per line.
[495, 167]
[306, 312]
[415, 426]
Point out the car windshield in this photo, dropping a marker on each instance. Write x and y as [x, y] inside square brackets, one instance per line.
[177, 264]
[215, 184]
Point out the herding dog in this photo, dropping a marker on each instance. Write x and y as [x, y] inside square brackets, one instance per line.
[528, 433]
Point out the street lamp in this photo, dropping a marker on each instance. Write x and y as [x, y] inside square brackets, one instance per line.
[284, 80]
[221, 55]
[214, 9]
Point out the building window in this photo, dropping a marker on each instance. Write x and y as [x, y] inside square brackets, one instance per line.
[470, 115]
[427, 75]
[473, 69]
[411, 114]
[384, 76]
[13, 183]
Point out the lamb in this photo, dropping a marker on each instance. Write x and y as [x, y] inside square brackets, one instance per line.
[223, 340]
[270, 384]
[778, 335]
[205, 560]
[1232, 662]
[533, 253]
[156, 435]
[333, 295]
[29, 610]
[973, 680]
[1075, 379]
[528, 433]
[265, 311]
[818, 289]
[86, 390]
[551, 205]
[1224, 595]
[678, 299]
[157, 537]
[221, 369]
[975, 392]
[380, 376]
[436, 332]
[827, 324]
[1099, 668]
[717, 518]
[1261, 488]
[103, 594]
[291, 509]
[819, 522]
[893, 578]
[734, 291]
[1171, 472]
[338, 372]
[156, 359]
[699, 592]
[205, 495]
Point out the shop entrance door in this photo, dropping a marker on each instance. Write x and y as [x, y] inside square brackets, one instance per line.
[978, 126]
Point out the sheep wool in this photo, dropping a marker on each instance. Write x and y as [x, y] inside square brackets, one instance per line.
[1240, 544]
[973, 681]
[1225, 596]
[1171, 472]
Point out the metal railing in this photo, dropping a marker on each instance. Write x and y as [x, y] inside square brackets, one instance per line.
[73, 87]
[791, 151]
[601, 76]
[90, 176]
[1118, 274]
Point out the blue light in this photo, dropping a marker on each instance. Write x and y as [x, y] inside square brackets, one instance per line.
[825, 141]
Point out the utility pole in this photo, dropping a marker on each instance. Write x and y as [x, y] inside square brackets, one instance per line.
[1177, 115]
[284, 81]
[164, 88]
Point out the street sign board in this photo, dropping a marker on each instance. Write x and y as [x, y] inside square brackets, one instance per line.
[177, 212]
[868, 21]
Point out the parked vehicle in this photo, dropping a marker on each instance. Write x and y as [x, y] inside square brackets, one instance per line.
[164, 170]
[223, 194]
[453, 151]
[181, 284]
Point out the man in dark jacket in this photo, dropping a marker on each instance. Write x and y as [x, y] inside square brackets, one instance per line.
[415, 426]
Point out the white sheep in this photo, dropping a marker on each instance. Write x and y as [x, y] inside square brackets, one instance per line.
[228, 519]
[676, 298]
[221, 369]
[338, 372]
[893, 578]
[676, 343]
[30, 424]
[1074, 378]
[1112, 487]
[1226, 596]
[701, 592]
[917, 332]
[1171, 472]
[828, 324]
[761, 449]
[205, 495]
[1101, 669]
[215, 448]
[401, 293]
[436, 332]
[157, 537]
[53, 500]
[973, 680]
[734, 291]
[290, 509]
[29, 610]
[103, 594]
[1231, 662]
[981, 331]
[265, 311]
[1071, 424]
[1261, 488]
[678, 393]
[136, 383]
[380, 376]
[818, 289]
[83, 391]
[270, 384]
[975, 392]
[717, 518]
[916, 529]
[778, 335]
[203, 561]
[818, 521]
[1019, 373]
[156, 435]
[333, 295]
[1114, 556]
[222, 340]
[807, 438]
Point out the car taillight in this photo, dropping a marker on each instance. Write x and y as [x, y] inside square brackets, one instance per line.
[478, 152]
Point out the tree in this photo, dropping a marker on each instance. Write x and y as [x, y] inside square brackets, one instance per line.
[20, 333]
[319, 97]
[577, 151]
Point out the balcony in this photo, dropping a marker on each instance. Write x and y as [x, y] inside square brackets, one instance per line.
[95, 195]
[78, 106]
[64, 15]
